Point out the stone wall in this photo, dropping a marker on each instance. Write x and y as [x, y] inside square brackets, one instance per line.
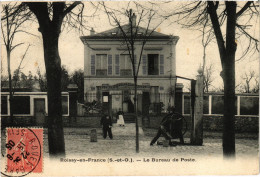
[20, 121]
[242, 123]
[212, 123]
[93, 121]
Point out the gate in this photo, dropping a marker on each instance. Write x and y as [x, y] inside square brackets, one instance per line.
[39, 111]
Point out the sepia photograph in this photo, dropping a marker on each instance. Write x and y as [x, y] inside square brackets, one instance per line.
[129, 88]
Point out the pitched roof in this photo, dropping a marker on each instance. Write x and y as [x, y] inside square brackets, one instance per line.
[116, 33]
[126, 28]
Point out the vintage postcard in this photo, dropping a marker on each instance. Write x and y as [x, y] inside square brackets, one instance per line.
[129, 88]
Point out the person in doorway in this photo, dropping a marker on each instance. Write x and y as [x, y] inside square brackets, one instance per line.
[120, 120]
[171, 124]
[106, 123]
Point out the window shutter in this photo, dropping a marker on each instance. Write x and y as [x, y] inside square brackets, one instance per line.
[109, 65]
[117, 65]
[161, 64]
[93, 69]
[144, 65]
[136, 64]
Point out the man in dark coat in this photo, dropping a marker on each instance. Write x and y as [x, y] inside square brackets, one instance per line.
[170, 127]
[106, 122]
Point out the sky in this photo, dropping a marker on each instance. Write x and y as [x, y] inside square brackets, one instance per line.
[189, 50]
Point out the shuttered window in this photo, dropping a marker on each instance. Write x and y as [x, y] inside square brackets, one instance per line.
[161, 64]
[117, 65]
[144, 65]
[109, 65]
[93, 69]
[136, 64]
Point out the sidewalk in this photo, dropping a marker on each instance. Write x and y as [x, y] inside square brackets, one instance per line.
[208, 158]
[77, 142]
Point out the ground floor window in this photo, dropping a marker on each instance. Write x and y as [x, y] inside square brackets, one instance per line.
[4, 110]
[21, 105]
[249, 105]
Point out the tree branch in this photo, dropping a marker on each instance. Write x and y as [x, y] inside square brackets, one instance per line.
[246, 6]
[71, 7]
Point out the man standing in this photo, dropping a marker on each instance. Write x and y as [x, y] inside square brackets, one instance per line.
[106, 122]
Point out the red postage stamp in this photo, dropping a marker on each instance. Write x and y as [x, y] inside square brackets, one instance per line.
[24, 151]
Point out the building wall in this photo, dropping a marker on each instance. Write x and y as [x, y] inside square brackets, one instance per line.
[166, 48]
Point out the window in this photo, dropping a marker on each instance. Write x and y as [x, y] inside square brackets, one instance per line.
[125, 62]
[4, 110]
[187, 104]
[218, 104]
[21, 105]
[249, 105]
[125, 65]
[205, 104]
[153, 64]
[101, 61]
[64, 103]
[101, 65]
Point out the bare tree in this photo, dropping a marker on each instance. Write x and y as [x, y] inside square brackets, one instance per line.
[231, 16]
[208, 79]
[248, 78]
[256, 85]
[10, 26]
[42, 80]
[51, 17]
[132, 35]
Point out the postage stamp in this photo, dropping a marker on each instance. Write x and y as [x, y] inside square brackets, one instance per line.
[23, 151]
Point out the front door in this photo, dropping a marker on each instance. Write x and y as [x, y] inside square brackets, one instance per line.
[39, 111]
[106, 102]
[145, 103]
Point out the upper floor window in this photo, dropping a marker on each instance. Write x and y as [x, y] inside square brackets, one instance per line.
[125, 65]
[153, 64]
[101, 60]
[101, 64]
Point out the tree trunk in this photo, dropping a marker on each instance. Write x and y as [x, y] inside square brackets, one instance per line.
[53, 71]
[229, 83]
[11, 98]
[136, 115]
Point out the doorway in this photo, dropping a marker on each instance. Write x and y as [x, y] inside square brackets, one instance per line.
[145, 103]
[39, 111]
[106, 102]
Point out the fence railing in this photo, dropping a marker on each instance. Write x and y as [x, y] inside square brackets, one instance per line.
[213, 104]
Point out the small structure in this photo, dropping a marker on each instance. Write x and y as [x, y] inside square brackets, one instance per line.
[93, 135]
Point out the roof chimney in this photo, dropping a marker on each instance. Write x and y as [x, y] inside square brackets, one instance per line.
[134, 20]
[92, 31]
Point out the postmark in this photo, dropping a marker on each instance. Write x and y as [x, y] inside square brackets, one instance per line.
[24, 151]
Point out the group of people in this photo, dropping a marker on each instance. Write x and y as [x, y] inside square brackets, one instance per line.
[170, 126]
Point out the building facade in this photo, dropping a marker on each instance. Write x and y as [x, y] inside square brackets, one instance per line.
[108, 75]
